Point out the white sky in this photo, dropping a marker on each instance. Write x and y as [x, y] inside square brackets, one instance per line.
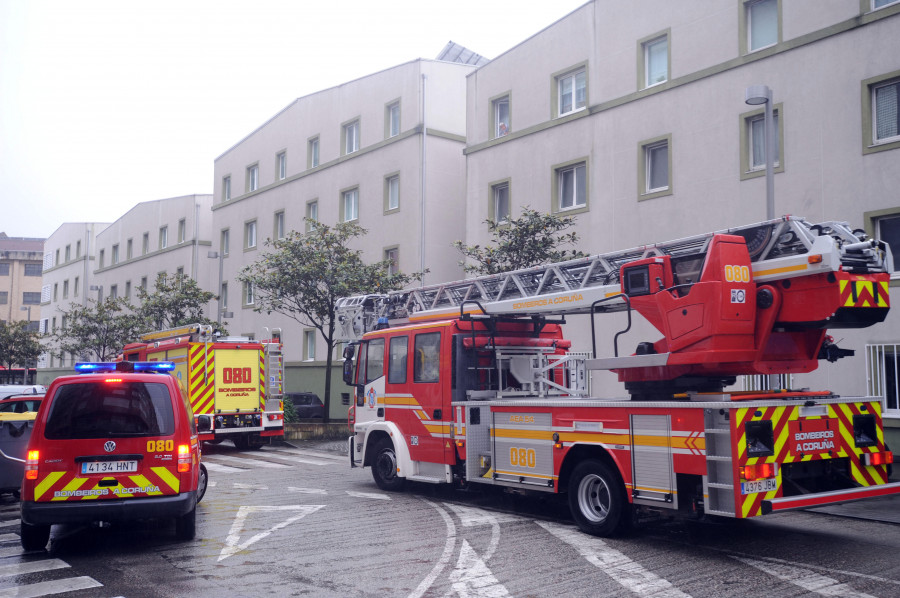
[104, 104]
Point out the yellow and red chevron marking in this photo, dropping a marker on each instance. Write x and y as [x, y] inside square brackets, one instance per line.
[262, 379]
[201, 378]
[859, 291]
[62, 486]
[749, 505]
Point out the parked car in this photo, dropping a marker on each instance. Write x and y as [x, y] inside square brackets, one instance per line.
[115, 444]
[7, 390]
[21, 403]
[308, 405]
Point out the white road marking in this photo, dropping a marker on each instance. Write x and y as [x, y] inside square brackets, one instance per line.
[472, 578]
[9, 538]
[6, 552]
[368, 495]
[234, 535]
[219, 468]
[313, 454]
[449, 545]
[32, 567]
[211, 484]
[630, 575]
[9, 523]
[58, 586]
[250, 486]
[298, 459]
[307, 490]
[250, 462]
[804, 578]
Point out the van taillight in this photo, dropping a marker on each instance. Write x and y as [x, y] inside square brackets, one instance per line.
[184, 457]
[31, 465]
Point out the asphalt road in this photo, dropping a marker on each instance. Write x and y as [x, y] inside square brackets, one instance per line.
[298, 522]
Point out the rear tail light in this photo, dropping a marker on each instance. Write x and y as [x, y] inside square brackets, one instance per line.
[760, 471]
[275, 417]
[184, 457]
[883, 458]
[31, 465]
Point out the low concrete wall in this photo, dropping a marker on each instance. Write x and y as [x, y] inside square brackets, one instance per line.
[316, 431]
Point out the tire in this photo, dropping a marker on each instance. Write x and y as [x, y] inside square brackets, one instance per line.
[186, 525]
[202, 482]
[34, 537]
[247, 442]
[240, 442]
[384, 467]
[597, 499]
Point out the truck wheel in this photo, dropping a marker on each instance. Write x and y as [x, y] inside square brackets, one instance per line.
[186, 525]
[384, 467]
[202, 482]
[34, 537]
[240, 442]
[597, 499]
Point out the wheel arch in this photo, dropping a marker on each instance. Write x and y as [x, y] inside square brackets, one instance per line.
[389, 431]
[579, 453]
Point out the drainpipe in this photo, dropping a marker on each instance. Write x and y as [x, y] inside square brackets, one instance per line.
[424, 138]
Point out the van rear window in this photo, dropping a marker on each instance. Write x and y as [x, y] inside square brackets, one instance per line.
[110, 409]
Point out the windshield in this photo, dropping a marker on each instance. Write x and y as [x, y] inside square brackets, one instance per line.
[110, 409]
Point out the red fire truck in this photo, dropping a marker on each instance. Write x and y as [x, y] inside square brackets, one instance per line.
[472, 382]
[236, 381]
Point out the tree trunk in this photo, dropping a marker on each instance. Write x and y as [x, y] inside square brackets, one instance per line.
[329, 342]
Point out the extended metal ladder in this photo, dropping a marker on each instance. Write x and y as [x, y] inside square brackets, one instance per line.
[779, 249]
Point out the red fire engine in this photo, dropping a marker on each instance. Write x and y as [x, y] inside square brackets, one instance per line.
[472, 382]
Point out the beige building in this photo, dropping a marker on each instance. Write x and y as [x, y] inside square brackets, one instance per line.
[377, 151]
[20, 279]
[631, 117]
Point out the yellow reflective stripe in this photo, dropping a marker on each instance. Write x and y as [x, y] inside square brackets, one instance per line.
[527, 474]
[46, 483]
[393, 400]
[784, 270]
[74, 484]
[142, 482]
[533, 434]
[166, 475]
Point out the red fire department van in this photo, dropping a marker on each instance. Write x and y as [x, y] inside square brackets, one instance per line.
[116, 443]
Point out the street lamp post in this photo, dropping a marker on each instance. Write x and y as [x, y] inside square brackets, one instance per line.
[25, 366]
[221, 257]
[754, 96]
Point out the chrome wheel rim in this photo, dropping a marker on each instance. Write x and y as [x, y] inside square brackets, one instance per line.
[594, 498]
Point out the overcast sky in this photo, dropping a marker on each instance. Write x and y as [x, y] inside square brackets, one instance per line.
[104, 104]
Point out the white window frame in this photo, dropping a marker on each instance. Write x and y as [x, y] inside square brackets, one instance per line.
[748, 7]
[560, 177]
[282, 166]
[648, 166]
[252, 178]
[392, 192]
[351, 137]
[279, 225]
[163, 237]
[569, 80]
[878, 234]
[877, 384]
[226, 188]
[250, 234]
[496, 192]
[309, 345]
[249, 299]
[886, 4]
[664, 39]
[393, 119]
[501, 125]
[223, 295]
[312, 214]
[895, 83]
[182, 230]
[225, 241]
[392, 255]
[313, 150]
[114, 254]
[351, 196]
[760, 118]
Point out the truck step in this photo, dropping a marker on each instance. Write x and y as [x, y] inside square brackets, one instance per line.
[428, 479]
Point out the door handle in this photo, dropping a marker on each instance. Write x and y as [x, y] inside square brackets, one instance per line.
[438, 414]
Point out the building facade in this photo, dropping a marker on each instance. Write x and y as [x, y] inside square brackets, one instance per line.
[631, 117]
[376, 151]
[20, 279]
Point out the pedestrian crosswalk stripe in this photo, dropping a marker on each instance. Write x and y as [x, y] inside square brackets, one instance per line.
[46, 588]
[219, 468]
[249, 462]
[9, 538]
[32, 567]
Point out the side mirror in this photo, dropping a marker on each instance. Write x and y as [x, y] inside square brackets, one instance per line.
[204, 424]
[349, 351]
[348, 369]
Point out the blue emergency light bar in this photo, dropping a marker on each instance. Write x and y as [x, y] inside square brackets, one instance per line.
[96, 367]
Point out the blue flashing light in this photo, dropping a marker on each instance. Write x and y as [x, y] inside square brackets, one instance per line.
[154, 366]
[94, 367]
[97, 367]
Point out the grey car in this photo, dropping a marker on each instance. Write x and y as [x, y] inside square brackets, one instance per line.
[308, 405]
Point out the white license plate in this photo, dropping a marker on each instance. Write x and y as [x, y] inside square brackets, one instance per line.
[758, 486]
[108, 466]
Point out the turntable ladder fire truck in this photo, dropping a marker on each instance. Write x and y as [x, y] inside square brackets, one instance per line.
[472, 382]
[236, 381]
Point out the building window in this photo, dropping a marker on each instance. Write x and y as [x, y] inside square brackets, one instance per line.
[4, 269]
[753, 143]
[224, 239]
[279, 225]
[309, 345]
[4, 297]
[655, 61]
[886, 121]
[571, 91]
[392, 193]
[883, 375]
[129, 247]
[885, 225]
[145, 244]
[224, 296]
[252, 178]
[102, 257]
[77, 249]
[350, 205]
[250, 234]
[226, 188]
[144, 282]
[65, 289]
[762, 23]
[182, 225]
[392, 119]
[281, 163]
[312, 153]
[31, 298]
[115, 254]
[350, 133]
[114, 291]
[500, 202]
[571, 186]
[179, 274]
[30, 269]
[56, 263]
[392, 257]
[68, 252]
[163, 237]
[128, 289]
[248, 293]
[312, 214]
[879, 3]
[500, 115]
[75, 287]
[655, 167]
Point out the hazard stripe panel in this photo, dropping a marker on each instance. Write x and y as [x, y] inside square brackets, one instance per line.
[202, 379]
[59, 486]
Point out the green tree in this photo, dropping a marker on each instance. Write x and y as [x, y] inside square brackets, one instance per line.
[533, 239]
[97, 330]
[19, 346]
[305, 274]
[175, 301]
